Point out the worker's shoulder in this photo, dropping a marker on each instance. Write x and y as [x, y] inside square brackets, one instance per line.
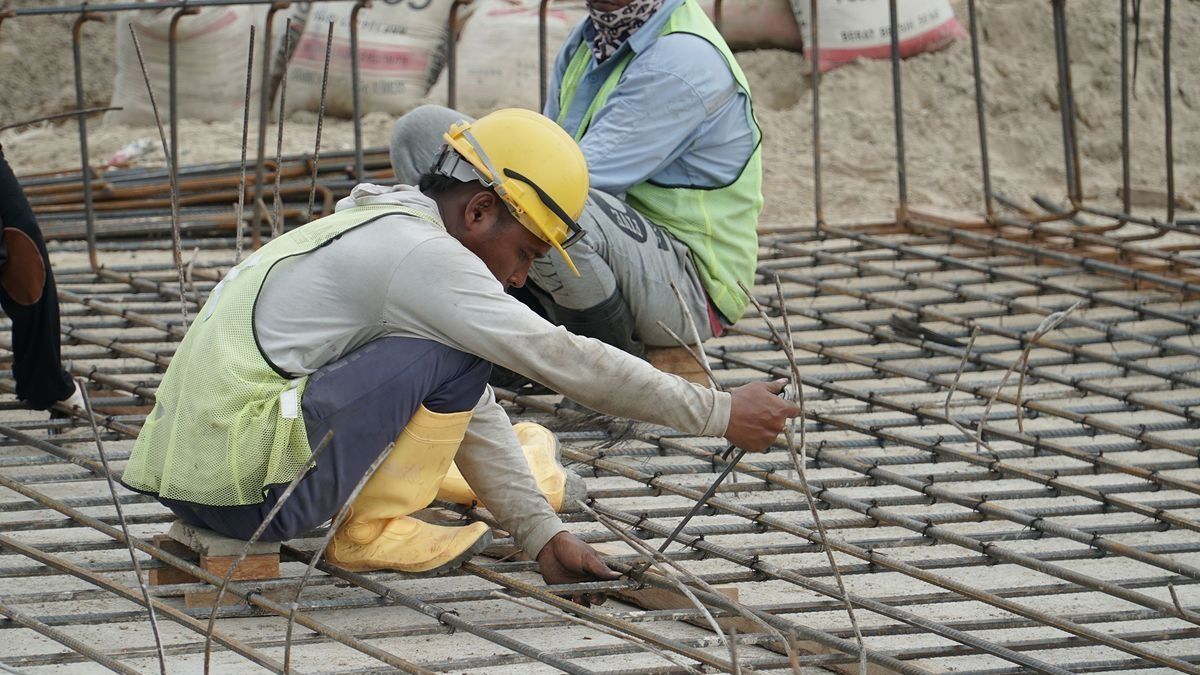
[388, 238]
[690, 58]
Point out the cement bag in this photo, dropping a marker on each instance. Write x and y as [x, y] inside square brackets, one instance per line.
[498, 54]
[757, 24]
[861, 29]
[401, 46]
[211, 49]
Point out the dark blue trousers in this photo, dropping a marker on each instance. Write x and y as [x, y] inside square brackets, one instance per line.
[366, 400]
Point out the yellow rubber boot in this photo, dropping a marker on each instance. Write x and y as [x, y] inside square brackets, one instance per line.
[379, 532]
[561, 487]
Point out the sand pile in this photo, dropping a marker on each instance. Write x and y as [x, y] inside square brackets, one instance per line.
[859, 168]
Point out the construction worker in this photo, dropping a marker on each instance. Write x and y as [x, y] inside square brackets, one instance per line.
[376, 326]
[663, 114]
[30, 299]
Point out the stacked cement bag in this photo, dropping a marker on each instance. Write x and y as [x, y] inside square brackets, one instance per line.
[211, 49]
[401, 49]
[498, 47]
[862, 29]
[497, 53]
[757, 24]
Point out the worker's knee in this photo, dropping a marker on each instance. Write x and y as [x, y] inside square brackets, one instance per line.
[462, 391]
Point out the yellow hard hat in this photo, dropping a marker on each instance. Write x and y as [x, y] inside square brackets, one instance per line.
[534, 166]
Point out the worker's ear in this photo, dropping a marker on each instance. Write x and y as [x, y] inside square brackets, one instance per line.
[483, 212]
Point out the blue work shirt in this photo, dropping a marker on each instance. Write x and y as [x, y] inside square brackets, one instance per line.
[676, 117]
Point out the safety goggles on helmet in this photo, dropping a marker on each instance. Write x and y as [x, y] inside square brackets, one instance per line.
[451, 164]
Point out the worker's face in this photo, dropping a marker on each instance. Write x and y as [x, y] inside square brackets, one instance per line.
[500, 241]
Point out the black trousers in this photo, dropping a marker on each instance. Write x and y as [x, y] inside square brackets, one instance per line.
[37, 361]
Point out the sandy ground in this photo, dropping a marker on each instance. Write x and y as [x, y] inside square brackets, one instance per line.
[857, 133]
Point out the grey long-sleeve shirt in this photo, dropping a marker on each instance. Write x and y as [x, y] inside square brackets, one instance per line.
[404, 276]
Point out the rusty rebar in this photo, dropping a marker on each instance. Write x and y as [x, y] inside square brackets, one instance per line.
[85, 166]
[316, 158]
[239, 213]
[174, 180]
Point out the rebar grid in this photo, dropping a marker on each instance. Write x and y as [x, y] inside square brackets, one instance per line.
[1091, 475]
[1045, 525]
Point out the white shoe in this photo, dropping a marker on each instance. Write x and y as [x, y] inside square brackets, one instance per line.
[75, 400]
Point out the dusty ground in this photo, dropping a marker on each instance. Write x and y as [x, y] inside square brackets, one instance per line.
[856, 118]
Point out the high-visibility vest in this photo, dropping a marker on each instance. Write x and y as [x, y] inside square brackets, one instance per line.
[717, 224]
[226, 423]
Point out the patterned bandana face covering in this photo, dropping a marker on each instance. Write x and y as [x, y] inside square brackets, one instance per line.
[614, 28]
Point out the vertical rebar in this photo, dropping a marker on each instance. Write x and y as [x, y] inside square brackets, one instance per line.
[452, 53]
[241, 202]
[1169, 142]
[264, 111]
[543, 62]
[254, 537]
[173, 179]
[172, 84]
[1069, 86]
[898, 113]
[89, 212]
[1126, 198]
[354, 95]
[1066, 104]
[980, 113]
[814, 64]
[277, 215]
[336, 523]
[312, 192]
[112, 490]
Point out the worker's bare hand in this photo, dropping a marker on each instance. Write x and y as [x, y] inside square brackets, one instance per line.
[566, 559]
[758, 415]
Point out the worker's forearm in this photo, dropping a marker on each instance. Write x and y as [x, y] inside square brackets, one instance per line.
[492, 462]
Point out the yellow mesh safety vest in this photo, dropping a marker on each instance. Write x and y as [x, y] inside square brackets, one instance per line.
[226, 422]
[719, 224]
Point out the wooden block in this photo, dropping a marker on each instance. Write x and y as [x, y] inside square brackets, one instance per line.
[675, 360]
[162, 576]
[261, 566]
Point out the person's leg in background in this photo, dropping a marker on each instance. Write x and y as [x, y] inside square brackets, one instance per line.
[30, 299]
[626, 265]
[416, 393]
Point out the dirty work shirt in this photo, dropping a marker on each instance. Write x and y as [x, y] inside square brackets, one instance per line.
[677, 117]
[404, 276]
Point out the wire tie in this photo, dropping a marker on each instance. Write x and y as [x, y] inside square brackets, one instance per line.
[450, 626]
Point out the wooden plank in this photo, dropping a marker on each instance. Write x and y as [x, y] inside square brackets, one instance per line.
[675, 360]
[163, 576]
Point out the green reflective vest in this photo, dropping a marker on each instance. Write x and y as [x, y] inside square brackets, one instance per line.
[226, 422]
[719, 224]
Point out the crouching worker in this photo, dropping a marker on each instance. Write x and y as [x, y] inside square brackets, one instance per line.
[378, 323]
